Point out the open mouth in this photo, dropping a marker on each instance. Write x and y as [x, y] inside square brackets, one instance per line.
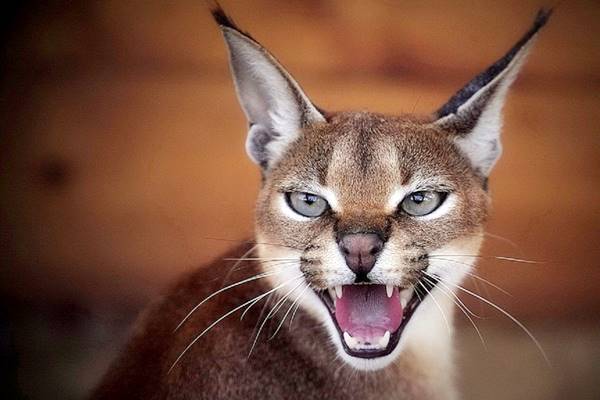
[370, 318]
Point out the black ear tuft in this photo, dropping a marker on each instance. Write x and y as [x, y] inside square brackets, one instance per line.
[473, 115]
[221, 18]
[494, 70]
[224, 20]
[276, 107]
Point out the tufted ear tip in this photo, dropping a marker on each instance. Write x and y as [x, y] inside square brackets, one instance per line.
[496, 70]
[225, 21]
[220, 16]
[276, 107]
[542, 17]
[474, 113]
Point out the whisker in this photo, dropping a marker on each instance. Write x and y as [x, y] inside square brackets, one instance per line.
[266, 306]
[507, 314]
[260, 259]
[478, 289]
[252, 305]
[281, 302]
[272, 265]
[503, 239]
[273, 311]
[294, 313]
[429, 277]
[288, 311]
[499, 238]
[250, 279]
[225, 316]
[475, 275]
[234, 267]
[502, 258]
[462, 307]
[250, 242]
[438, 306]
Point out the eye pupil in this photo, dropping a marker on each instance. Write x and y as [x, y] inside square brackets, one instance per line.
[310, 199]
[417, 197]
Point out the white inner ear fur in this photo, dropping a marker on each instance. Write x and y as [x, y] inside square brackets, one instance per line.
[272, 101]
[482, 145]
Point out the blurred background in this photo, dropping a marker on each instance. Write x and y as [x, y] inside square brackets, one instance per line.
[123, 166]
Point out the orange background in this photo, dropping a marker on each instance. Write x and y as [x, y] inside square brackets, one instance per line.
[123, 154]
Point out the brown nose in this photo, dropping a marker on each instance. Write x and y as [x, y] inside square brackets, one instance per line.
[361, 251]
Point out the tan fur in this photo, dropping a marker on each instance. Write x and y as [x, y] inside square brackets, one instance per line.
[363, 164]
[354, 155]
[218, 367]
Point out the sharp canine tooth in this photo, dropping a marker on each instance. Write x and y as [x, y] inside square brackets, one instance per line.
[405, 296]
[338, 291]
[331, 294]
[389, 290]
[385, 339]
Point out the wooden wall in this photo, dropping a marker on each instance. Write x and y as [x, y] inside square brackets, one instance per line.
[122, 148]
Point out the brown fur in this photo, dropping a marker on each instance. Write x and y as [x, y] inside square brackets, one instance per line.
[353, 157]
[294, 365]
[299, 363]
[359, 162]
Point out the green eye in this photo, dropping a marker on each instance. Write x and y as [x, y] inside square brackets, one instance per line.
[422, 203]
[306, 204]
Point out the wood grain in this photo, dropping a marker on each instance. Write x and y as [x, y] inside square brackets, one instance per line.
[123, 153]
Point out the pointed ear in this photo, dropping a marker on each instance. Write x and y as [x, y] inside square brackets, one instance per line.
[474, 113]
[275, 105]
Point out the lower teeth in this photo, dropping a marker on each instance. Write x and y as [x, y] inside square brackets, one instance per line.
[361, 344]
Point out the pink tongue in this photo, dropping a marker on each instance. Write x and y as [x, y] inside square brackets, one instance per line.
[365, 311]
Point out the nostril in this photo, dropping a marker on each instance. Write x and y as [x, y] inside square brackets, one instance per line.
[361, 251]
